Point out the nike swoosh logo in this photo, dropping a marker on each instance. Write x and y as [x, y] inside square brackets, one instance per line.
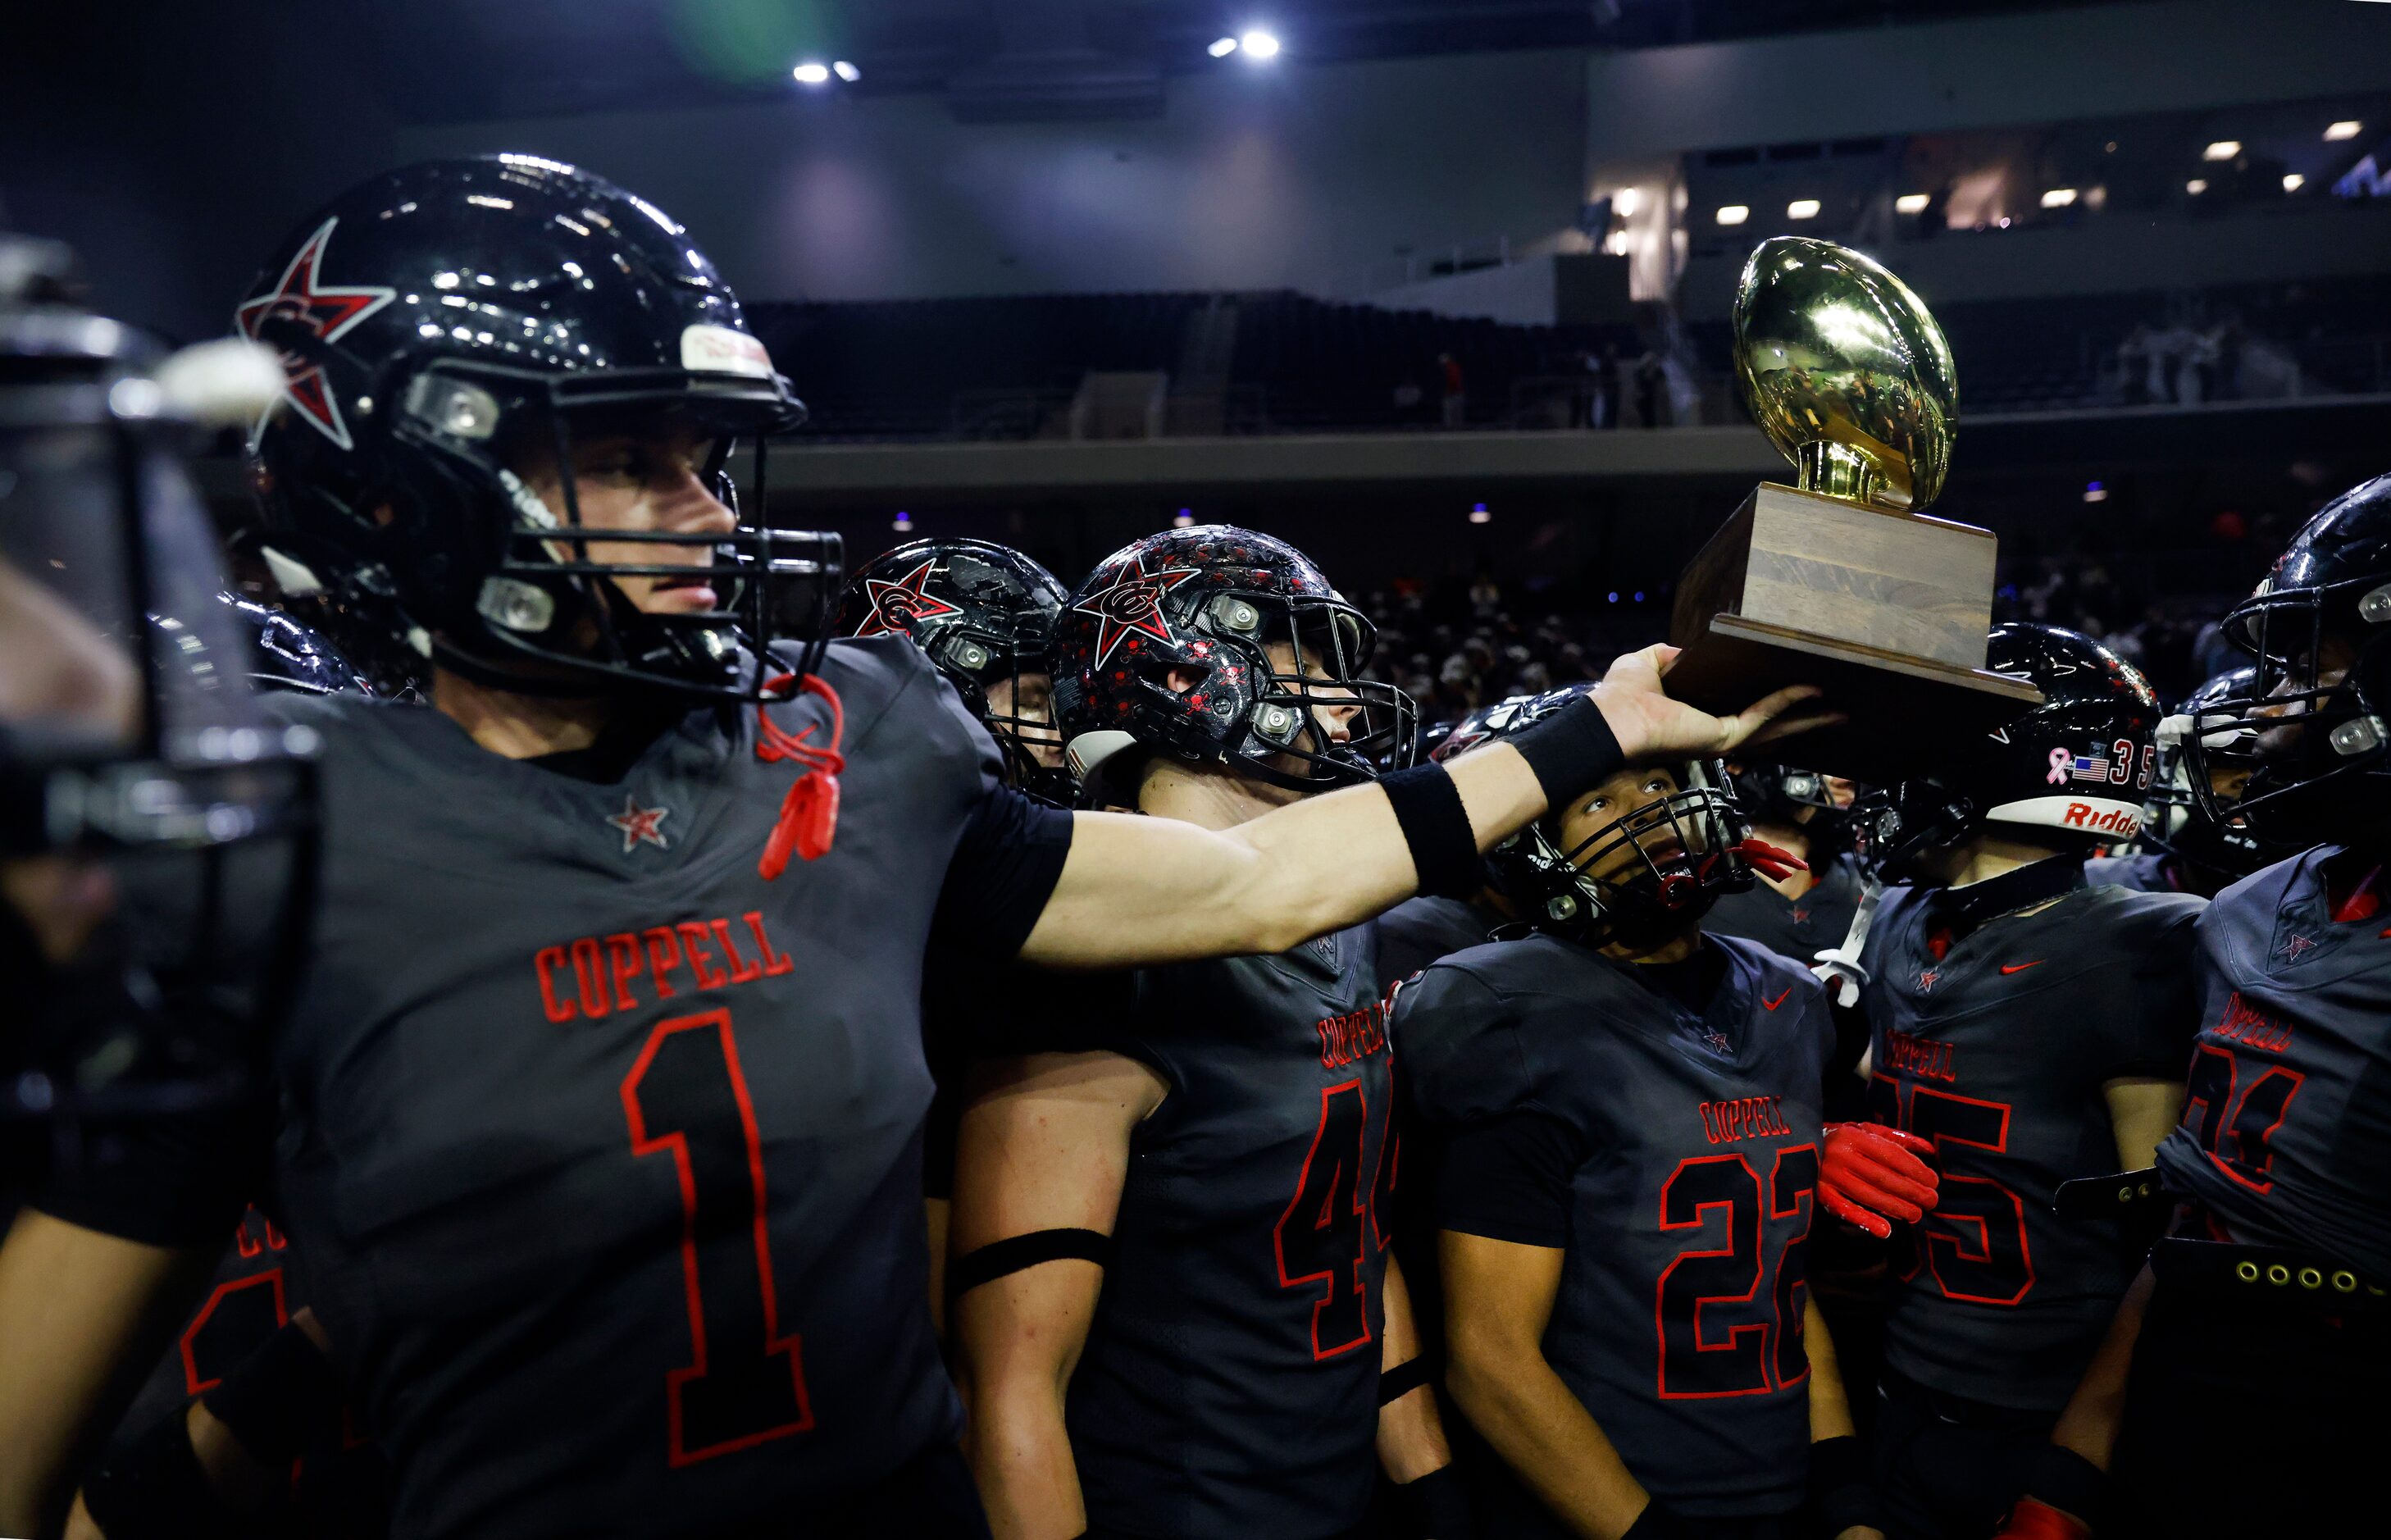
[1772, 1004]
[2021, 967]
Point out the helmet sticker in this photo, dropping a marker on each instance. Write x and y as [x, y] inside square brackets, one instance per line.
[899, 606]
[723, 350]
[1132, 604]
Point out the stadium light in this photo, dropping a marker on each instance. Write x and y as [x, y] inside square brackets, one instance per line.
[2095, 492]
[846, 71]
[1184, 519]
[903, 524]
[813, 71]
[2197, 186]
[1734, 214]
[1913, 202]
[2058, 197]
[2348, 128]
[2223, 149]
[1223, 47]
[1258, 43]
[1477, 515]
[1802, 208]
[2294, 181]
[1625, 202]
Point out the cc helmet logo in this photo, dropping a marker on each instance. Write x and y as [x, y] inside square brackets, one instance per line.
[1130, 604]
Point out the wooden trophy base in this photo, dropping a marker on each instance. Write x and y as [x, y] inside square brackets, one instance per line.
[1885, 612]
[1905, 713]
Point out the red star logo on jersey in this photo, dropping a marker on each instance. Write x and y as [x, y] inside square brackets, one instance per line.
[2295, 947]
[329, 313]
[1799, 914]
[1131, 604]
[640, 826]
[896, 607]
[1926, 981]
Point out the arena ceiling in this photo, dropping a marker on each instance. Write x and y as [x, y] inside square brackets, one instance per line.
[467, 59]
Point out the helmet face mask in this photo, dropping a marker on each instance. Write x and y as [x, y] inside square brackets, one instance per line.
[2300, 755]
[523, 310]
[136, 765]
[2178, 820]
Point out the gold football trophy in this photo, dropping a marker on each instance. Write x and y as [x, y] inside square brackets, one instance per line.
[1841, 581]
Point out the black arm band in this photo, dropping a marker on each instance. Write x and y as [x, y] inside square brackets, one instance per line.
[1015, 1252]
[154, 1488]
[1437, 1504]
[2062, 1478]
[1572, 751]
[279, 1399]
[1436, 826]
[1841, 1494]
[1403, 1379]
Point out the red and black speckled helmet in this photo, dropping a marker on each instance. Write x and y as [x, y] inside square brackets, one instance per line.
[1216, 643]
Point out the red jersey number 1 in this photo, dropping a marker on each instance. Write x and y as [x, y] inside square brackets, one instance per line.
[745, 1384]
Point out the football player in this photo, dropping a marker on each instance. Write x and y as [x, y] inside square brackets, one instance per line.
[2033, 1030]
[1628, 1112]
[137, 764]
[2264, 1308]
[598, 1110]
[2184, 850]
[1172, 1221]
[984, 613]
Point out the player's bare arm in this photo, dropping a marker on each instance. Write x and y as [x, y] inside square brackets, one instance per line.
[1831, 1405]
[1044, 1145]
[1150, 890]
[76, 1306]
[1411, 1435]
[1499, 1299]
[2142, 1111]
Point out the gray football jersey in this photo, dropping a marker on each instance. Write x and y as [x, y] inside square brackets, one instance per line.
[1679, 1318]
[1996, 1046]
[599, 1152]
[2286, 1131]
[1799, 928]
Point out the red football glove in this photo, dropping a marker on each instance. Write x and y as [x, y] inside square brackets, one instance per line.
[2032, 1519]
[1768, 861]
[1870, 1175]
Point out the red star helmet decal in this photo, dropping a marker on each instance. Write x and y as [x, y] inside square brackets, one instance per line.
[640, 826]
[327, 312]
[894, 606]
[1131, 603]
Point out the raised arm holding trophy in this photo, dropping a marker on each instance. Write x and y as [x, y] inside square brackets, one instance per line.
[1840, 580]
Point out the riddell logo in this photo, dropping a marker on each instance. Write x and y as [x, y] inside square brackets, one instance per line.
[2119, 821]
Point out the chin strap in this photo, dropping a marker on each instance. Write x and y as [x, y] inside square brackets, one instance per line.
[1840, 966]
[809, 812]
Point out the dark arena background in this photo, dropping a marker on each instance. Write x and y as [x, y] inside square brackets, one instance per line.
[1049, 272]
[774, 1093]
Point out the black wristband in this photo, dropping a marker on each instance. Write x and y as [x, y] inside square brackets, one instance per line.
[154, 1488]
[1841, 1494]
[1437, 1504]
[1571, 751]
[1436, 826]
[2062, 1478]
[279, 1399]
[1657, 1523]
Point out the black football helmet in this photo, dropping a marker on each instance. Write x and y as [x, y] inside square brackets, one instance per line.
[1209, 603]
[450, 330]
[2175, 822]
[2304, 753]
[985, 613]
[1687, 847]
[135, 767]
[1782, 794]
[2081, 762]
